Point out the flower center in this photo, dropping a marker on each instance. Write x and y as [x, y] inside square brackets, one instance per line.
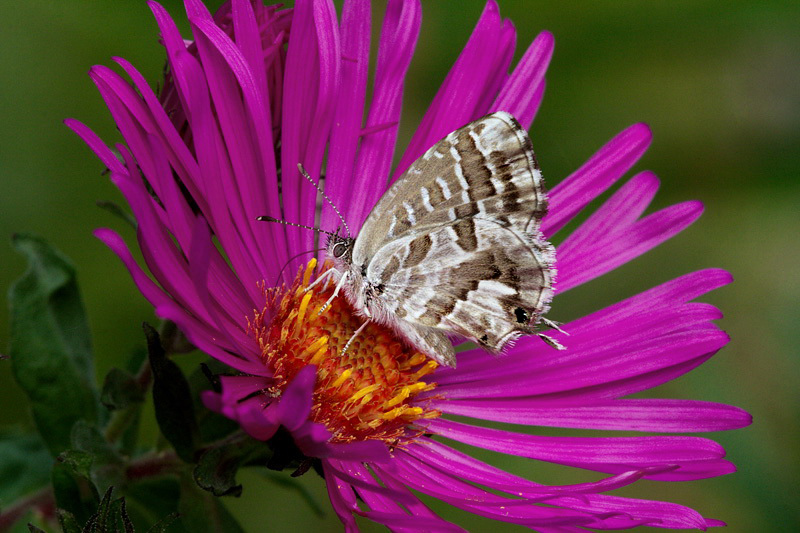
[369, 391]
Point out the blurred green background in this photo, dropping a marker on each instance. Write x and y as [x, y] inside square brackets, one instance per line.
[718, 83]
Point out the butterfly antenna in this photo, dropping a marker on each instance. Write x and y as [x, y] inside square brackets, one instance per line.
[295, 256]
[267, 218]
[316, 186]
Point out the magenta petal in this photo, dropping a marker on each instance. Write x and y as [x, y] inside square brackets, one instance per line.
[614, 249]
[455, 463]
[310, 91]
[662, 307]
[295, 402]
[261, 89]
[245, 126]
[358, 476]
[616, 215]
[96, 145]
[696, 458]
[346, 128]
[586, 367]
[397, 41]
[521, 94]
[465, 87]
[595, 176]
[677, 416]
[381, 503]
[343, 499]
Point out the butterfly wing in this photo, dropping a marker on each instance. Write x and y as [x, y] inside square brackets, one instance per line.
[490, 294]
[454, 247]
[487, 167]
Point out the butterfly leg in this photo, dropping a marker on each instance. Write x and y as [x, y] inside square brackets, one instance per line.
[550, 341]
[553, 325]
[353, 337]
[322, 277]
[335, 293]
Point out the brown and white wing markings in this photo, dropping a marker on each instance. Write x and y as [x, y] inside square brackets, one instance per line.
[486, 168]
[490, 287]
[454, 246]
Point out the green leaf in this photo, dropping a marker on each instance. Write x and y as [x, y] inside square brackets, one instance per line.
[25, 465]
[162, 525]
[79, 462]
[292, 483]
[50, 350]
[68, 522]
[121, 512]
[172, 399]
[213, 426]
[216, 469]
[98, 522]
[202, 512]
[107, 466]
[152, 501]
[120, 390]
[73, 490]
[34, 529]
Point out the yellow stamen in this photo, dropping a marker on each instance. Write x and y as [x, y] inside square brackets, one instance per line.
[301, 311]
[320, 353]
[342, 378]
[429, 367]
[369, 392]
[314, 348]
[363, 392]
[309, 270]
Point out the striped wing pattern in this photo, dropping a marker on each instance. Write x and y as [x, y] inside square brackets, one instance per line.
[454, 247]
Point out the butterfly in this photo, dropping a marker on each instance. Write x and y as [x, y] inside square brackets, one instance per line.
[453, 247]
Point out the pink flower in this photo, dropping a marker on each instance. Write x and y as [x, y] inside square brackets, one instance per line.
[261, 89]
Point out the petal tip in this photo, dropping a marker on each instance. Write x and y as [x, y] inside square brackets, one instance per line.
[642, 131]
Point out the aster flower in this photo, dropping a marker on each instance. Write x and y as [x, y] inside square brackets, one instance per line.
[260, 89]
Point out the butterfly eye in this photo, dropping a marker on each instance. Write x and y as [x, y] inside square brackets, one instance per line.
[339, 249]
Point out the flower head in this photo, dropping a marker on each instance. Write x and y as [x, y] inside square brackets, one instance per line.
[260, 89]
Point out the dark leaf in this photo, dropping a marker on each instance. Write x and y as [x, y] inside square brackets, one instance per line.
[202, 512]
[74, 492]
[50, 343]
[117, 211]
[163, 524]
[216, 469]
[213, 426]
[120, 390]
[34, 529]
[98, 522]
[151, 500]
[25, 465]
[123, 515]
[79, 462]
[173, 340]
[107, 466]
[68, 522]
[172, 398]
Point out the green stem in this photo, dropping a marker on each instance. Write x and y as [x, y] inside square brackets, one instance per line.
[120, 420]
